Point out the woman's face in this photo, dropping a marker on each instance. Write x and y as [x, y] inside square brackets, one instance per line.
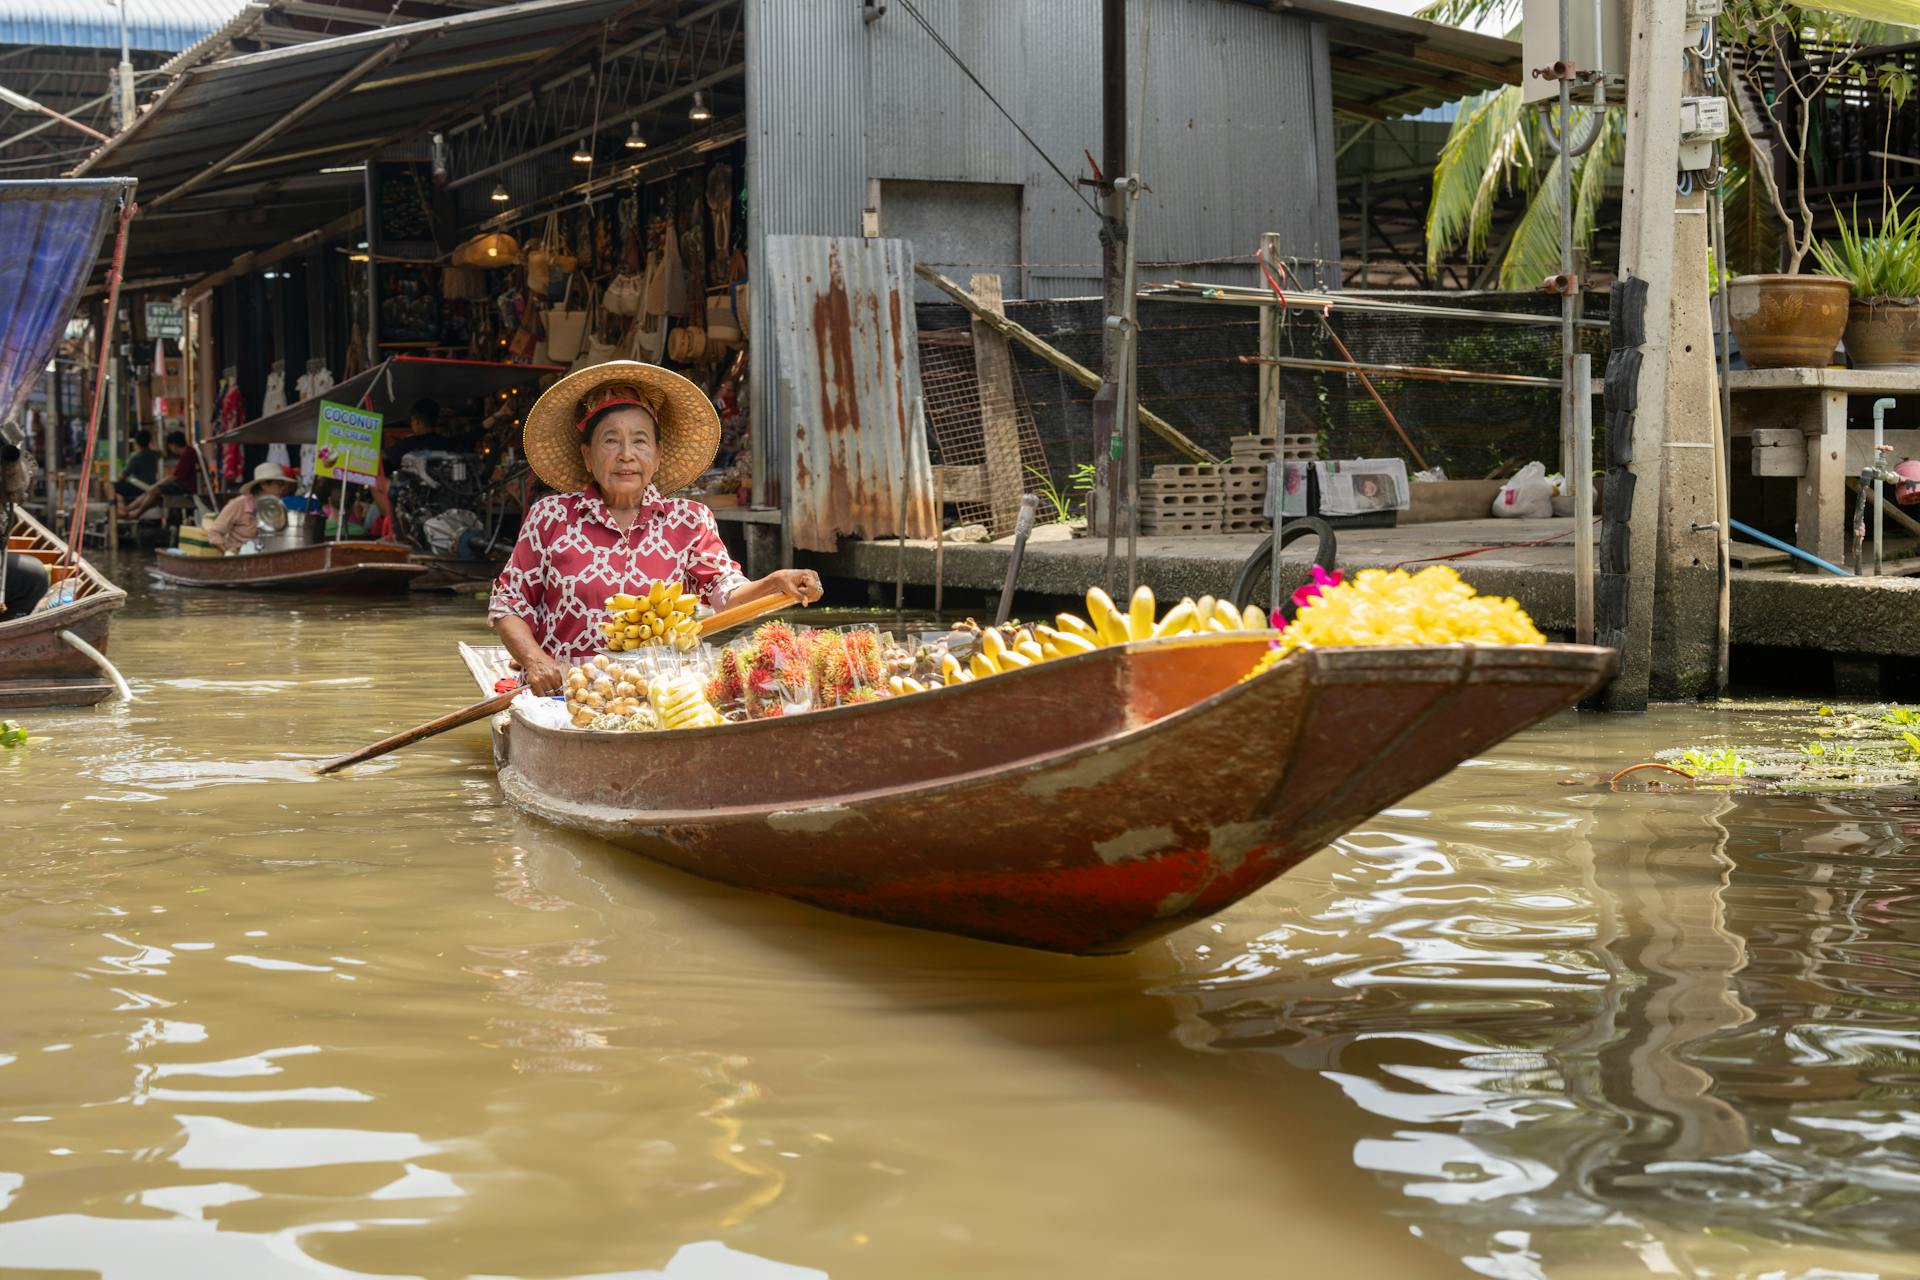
[277, 488]
[622, 454]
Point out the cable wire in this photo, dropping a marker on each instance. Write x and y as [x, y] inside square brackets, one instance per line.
[967, 71]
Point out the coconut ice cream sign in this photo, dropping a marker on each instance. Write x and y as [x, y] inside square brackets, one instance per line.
[348, 444]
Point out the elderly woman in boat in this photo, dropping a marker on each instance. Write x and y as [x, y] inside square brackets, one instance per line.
[614, 441]
[238, 522]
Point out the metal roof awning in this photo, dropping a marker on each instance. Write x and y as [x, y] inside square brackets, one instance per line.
[1386, 65]
[269, 142]
[166, 25]
[388, 389]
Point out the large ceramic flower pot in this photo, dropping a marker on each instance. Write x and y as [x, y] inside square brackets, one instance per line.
[1884, 334]
[1787, 321]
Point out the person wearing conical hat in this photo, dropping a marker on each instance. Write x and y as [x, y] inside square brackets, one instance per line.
[236, 525]
[614, 441]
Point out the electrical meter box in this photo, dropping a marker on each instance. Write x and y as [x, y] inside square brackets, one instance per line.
[1703, 122]
[1596, 42]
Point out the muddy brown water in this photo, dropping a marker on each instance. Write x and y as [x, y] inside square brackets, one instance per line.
[256, 1024]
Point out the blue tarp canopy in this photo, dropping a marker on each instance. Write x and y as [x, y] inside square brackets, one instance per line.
[50, 234]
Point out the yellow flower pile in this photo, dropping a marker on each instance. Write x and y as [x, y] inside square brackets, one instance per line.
[1376, 607]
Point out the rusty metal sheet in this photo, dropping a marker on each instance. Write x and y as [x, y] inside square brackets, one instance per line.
[848, 352]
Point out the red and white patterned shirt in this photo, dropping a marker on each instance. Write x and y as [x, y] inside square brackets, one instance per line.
[570, 557]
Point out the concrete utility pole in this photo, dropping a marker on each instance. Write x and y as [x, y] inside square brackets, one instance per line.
[1105, 515]
[1685, 652]
[1654, 74]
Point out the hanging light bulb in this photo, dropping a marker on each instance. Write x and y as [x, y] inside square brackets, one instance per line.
[500, 195]
[581, 153]
[699, 109]
[634, 141]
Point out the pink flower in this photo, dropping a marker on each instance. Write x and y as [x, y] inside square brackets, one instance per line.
[1321, 581]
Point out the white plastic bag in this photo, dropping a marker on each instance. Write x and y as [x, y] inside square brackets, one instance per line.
[1528, 496]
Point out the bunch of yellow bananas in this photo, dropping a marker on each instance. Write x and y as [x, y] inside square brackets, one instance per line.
[681, 701]
[1073, 634]
[662, 616]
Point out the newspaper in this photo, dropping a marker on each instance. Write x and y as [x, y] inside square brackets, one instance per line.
[1362, 486]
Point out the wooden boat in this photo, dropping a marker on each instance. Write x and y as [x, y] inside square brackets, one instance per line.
[451, 573]
[1084, 805]
[37, 667]
[318, 566]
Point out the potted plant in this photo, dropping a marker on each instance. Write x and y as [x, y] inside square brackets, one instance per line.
[1882, 268]
[1777, 87]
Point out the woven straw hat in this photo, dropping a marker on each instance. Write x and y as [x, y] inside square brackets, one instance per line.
[689, 427]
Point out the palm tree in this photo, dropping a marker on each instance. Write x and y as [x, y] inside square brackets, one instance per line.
[1495, 145]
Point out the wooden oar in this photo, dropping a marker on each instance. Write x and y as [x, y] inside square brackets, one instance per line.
[725, 620]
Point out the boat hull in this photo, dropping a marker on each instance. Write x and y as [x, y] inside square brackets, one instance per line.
[453, 574]
[323, 566]
[1087, 805]
[38, 668]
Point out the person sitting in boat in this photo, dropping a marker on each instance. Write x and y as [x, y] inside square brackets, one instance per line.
[26, 583]
[180, 479]
[236, 525]
[613, 441]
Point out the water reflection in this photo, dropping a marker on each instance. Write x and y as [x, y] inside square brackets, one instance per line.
[1672, 1033]
[257, 1025]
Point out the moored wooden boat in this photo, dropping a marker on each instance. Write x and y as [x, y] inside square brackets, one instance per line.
[1085, 805]
[452, 573]
[319, 566]
[37, 667]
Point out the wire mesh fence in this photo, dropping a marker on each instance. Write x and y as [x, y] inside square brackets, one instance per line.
[983, 435]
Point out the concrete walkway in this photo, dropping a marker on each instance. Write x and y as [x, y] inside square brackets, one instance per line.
[1772, 608]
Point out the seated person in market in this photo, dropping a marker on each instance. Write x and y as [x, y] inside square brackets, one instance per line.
[26, 583]
[181, 478]
[613, 441]
[422, 432]
[362, 520]
[142, 468]
[236, 523]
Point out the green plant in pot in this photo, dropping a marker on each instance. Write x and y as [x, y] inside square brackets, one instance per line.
[1881, 266]
[1792, 61]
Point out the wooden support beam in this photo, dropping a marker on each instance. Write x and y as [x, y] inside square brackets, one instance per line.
[1273, 407]
[999, 423]
[334, 89]
[352, 220]
[1058, 359]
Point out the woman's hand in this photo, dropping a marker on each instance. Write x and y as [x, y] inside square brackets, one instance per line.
[543, 675]
[802, 584]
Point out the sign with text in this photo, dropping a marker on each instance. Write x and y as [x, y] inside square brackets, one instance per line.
[349, 444]
[164, 320]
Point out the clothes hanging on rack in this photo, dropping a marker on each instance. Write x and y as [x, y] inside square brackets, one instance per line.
[316, 381]
[273, 401]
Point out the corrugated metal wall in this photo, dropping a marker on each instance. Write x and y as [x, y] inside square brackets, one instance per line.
[806, 164]
[1238, 133]
[1234, 144]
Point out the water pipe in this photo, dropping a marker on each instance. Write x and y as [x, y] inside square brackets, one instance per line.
[1880, 408]
[1771, 541]
[99, 660]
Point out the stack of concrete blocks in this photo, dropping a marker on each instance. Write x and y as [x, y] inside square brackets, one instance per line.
[1181, 500]
[1186, 500]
